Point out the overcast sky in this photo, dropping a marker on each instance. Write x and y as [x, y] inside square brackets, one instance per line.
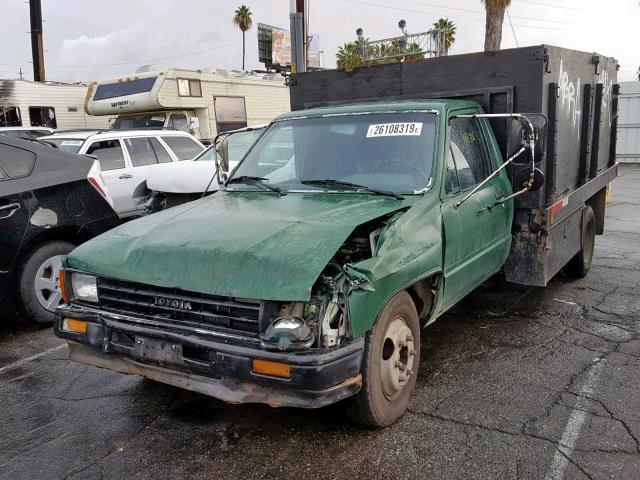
[93, 39]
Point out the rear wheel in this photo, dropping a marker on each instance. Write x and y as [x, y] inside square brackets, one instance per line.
[580, 265]
[390, 365]
[40, 292]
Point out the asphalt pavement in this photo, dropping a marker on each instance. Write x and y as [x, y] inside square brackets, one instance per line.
[515, 383]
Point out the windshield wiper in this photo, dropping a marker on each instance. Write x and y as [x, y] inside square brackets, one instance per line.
[255, 180]
[355, 186]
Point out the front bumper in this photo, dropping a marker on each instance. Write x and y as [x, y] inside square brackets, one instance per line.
[219, 367]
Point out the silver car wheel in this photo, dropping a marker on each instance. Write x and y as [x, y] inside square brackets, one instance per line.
[47, 283]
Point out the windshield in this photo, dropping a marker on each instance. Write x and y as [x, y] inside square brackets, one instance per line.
[139, 121]
[66, 144]
[390, 151]
[237, 145]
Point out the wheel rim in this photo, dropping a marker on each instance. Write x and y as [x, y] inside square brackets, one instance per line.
[398, 355]
[47, 283]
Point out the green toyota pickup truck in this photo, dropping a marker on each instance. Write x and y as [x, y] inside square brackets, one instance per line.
[307, 277]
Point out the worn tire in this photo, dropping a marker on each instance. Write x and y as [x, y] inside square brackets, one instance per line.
[373, 406]
[30, 305]
[579, 265]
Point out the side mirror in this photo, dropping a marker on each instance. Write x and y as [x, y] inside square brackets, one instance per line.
[194, 124]
[222, 150]
[516, 133]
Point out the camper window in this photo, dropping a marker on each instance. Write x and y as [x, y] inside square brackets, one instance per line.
[189, 88]
[43, 117]
[10, 117]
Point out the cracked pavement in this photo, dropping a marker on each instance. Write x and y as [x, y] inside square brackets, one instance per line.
[500, 376]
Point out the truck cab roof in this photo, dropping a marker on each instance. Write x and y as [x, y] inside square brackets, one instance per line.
[438, 105]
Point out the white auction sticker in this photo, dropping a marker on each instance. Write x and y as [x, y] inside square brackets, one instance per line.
[394, 129]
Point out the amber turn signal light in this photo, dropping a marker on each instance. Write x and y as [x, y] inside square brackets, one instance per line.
[273, 369]
[63, 289]
[73, 325]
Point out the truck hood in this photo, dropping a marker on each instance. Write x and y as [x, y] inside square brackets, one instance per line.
[236, 244]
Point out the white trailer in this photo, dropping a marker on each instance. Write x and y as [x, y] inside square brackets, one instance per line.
[46, 104]
[628, 143]
[202, 102]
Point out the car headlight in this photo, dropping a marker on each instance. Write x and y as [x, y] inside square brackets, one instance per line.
[85, 287]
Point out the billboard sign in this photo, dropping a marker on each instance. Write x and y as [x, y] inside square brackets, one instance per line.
[280, 46]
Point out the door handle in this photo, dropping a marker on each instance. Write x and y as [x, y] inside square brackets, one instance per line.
[125, 176]
[6, 211]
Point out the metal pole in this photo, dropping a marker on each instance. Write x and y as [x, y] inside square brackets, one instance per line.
[37, 49]
[298, 40]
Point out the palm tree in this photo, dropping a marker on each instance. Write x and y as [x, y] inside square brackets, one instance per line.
[413, 53]
[449, 32]
[493, 26]
[242, 20]
[348, 57]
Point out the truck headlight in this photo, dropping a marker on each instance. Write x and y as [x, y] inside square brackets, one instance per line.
[85, 287]
[288, 334]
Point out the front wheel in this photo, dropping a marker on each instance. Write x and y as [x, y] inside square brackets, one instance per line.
[390, 365]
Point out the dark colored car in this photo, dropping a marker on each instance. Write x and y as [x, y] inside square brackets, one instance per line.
[50, 202]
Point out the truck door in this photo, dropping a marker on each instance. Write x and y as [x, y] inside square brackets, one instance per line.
[115, 172]
[468, 258]
[14, 211]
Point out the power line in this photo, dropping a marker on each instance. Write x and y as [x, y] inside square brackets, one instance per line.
[557, 6]
[453, 16]
[140, 62]
[482, 12]
[512, 30]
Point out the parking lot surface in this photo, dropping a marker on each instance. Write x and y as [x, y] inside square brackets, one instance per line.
[515, 383]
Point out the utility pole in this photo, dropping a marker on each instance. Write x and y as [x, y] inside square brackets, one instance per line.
[298, 36]
[37, 49]
[21, 74]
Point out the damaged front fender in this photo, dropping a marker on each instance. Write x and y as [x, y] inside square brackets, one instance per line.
[408, 249]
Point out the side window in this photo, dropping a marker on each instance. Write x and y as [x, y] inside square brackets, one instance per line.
[184, 147]
[140, 151]
[161, 153]
[43, 117]
[109, 153]
[15, 162]
[451, 176]
[469, 152]
[10, 117]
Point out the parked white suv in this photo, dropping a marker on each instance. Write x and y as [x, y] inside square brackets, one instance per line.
[125, 157]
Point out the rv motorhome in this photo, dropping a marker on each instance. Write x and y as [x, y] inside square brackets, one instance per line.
[46, 104]
[201, 102]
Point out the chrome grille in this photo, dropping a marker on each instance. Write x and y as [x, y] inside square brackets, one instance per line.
[179, 307]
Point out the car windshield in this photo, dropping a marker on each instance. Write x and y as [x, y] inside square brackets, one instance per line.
[389, 151]
[139, 121]
[70, 145]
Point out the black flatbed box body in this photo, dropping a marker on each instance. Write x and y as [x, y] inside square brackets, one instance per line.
[575, 91]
